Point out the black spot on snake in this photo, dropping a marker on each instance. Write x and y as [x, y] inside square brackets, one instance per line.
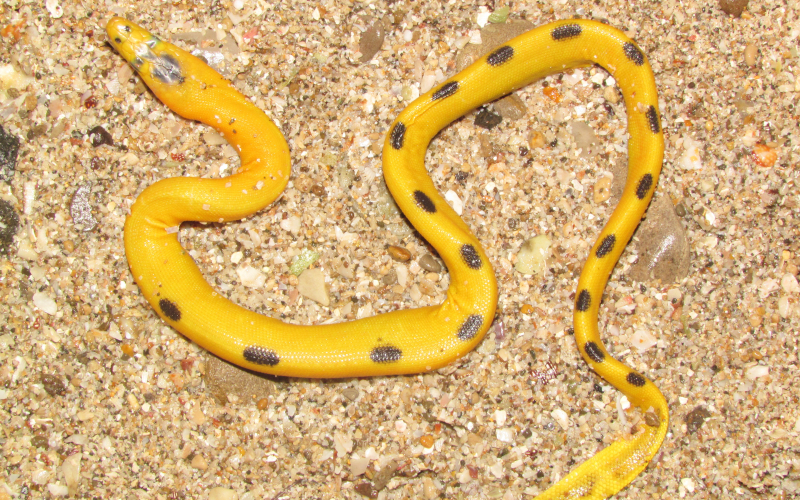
[633, 53]
[470, 256]
[424, 202]
[594, 352]
[635, 379]
[397, 135]
[652, 117]
[260, 355]
[645, 183]
[447, 90]
[167, 70]
[584, 301]
[500, 55]
[606, 246]
[470, 327]
[386, 354]
[170, 309]
[566, 31]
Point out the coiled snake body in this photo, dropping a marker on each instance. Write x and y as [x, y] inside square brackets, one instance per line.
[412, 340]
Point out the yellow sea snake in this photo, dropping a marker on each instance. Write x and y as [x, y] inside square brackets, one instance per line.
[413, 340]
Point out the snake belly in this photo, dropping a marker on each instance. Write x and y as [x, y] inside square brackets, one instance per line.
[412, 340]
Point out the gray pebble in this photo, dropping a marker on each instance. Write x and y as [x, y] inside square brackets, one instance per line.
[81, 209]
[9, 224]
[429, 263]
[9, 148]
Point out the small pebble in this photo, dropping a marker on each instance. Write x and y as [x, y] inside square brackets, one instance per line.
[303, 261]
[39, 440]
[220, 493]
[427, 441]
[100, 136]
[9, 225]
[37, 131]
[303, 183]
[45, 303]
[251, 277]
[487, 119]
[359, 466]
[696, 418]
[750, 54]
[127, 350]
[505, 435]
[351, 393]
[532, 255]
[371, 39]
[584, 137]
[429, 263]
[196, 416]
[553, 94]
[80, 207]
[733, 7]
[602, 189]
[199, 462]
[389, 278]
[511, 107]
[53, 385]
[366, 490]
[9, 149]
[756, 371]
[537, 140]
[642, 340]
[227, 382]
[399, 254]
[611, 94]
[561, 418]
[71, 468]
[764, 155]
[311, 285]
[651, 419]
[318, 190]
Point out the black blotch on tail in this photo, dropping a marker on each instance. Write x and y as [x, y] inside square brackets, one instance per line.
[606, 246]
[424, 202]
[635, 379]
[594, 352]
[645, 183]
[170, 309]
[260, 355]
[470, 256]
[584, 301]
[397, 136]
[470, 327]
[566, 31]
[386, 354]
[447, 90]
[652, 118]
[500, 55]
[633, 53]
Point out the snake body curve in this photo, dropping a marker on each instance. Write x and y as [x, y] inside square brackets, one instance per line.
[413, 340]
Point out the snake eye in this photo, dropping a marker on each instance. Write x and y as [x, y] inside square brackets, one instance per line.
[118, 39]
[126, 28]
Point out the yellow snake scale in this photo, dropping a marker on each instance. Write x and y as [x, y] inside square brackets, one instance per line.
[412, 340]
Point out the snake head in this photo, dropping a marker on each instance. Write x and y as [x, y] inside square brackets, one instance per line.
[148, 55]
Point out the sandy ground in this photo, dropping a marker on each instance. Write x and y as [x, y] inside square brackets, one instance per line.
[100, 399]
